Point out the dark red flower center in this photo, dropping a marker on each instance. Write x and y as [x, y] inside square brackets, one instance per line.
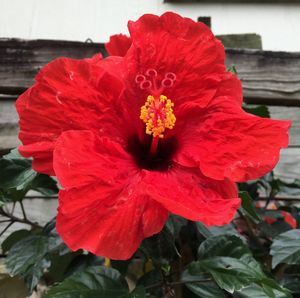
[157, 112]
[158, 115]
[160, 161]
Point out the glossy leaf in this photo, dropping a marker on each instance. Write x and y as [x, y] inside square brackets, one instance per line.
[234, 274]
[14, 238]
[92, 282]
[45, 185]
[55, 243]
[256, 291]
[201, 285]
[286, 248]
[224, 245]
[15, 171]
[247, 206]
[17, 178]
[229, 273]
[27, 258]
[207, 232]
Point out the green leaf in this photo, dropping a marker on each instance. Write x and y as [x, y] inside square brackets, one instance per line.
[291, 282]
[138, 292]
[27, 258]
[204, 288]
[14, 238]
[286, 248]
[203, 229]
[93, 282]
[175, 224]
[232, 69]
[229, 273]
[224, 245]
[45, 185]
[247, 206]
[215, 231]
[55, 243]
[260, 111]
[256, 291]
[81, 262]
[17, 178]
[233, 274]
[15, 171]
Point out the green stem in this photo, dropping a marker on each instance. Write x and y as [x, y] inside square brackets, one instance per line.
[21, 220]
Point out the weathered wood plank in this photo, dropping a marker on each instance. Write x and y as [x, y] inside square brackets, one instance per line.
[289, 113]
[8, 125]
[268, 77]
[289, 164]
[20, 60]
[271, 78]
[241, 41]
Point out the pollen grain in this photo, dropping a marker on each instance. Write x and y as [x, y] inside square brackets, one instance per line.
[157, 114]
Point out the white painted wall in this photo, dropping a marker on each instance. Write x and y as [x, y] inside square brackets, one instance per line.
[279, 24]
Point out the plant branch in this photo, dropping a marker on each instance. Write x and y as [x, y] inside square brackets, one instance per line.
[7, 227]
[248, 223]
[23, 210]
[250, 228]
[17, 219]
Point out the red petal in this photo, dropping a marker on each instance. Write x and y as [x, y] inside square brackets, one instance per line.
[91, 159]
[107, 221]
[288, 218]
[171, 43]
[118, 45]
[69, 94]
[97, 58]
[186, 192]
[226, 142]
[43, 152]
[104, 208]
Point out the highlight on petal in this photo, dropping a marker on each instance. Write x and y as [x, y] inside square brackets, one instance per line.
[226, 142]
[103, 208]
[188, 193]
[118, 45]
[68, 94]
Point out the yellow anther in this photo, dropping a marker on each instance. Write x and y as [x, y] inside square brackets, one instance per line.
[157, 114]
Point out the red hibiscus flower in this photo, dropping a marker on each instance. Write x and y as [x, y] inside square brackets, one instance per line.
[287, 217]
[133, 138]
